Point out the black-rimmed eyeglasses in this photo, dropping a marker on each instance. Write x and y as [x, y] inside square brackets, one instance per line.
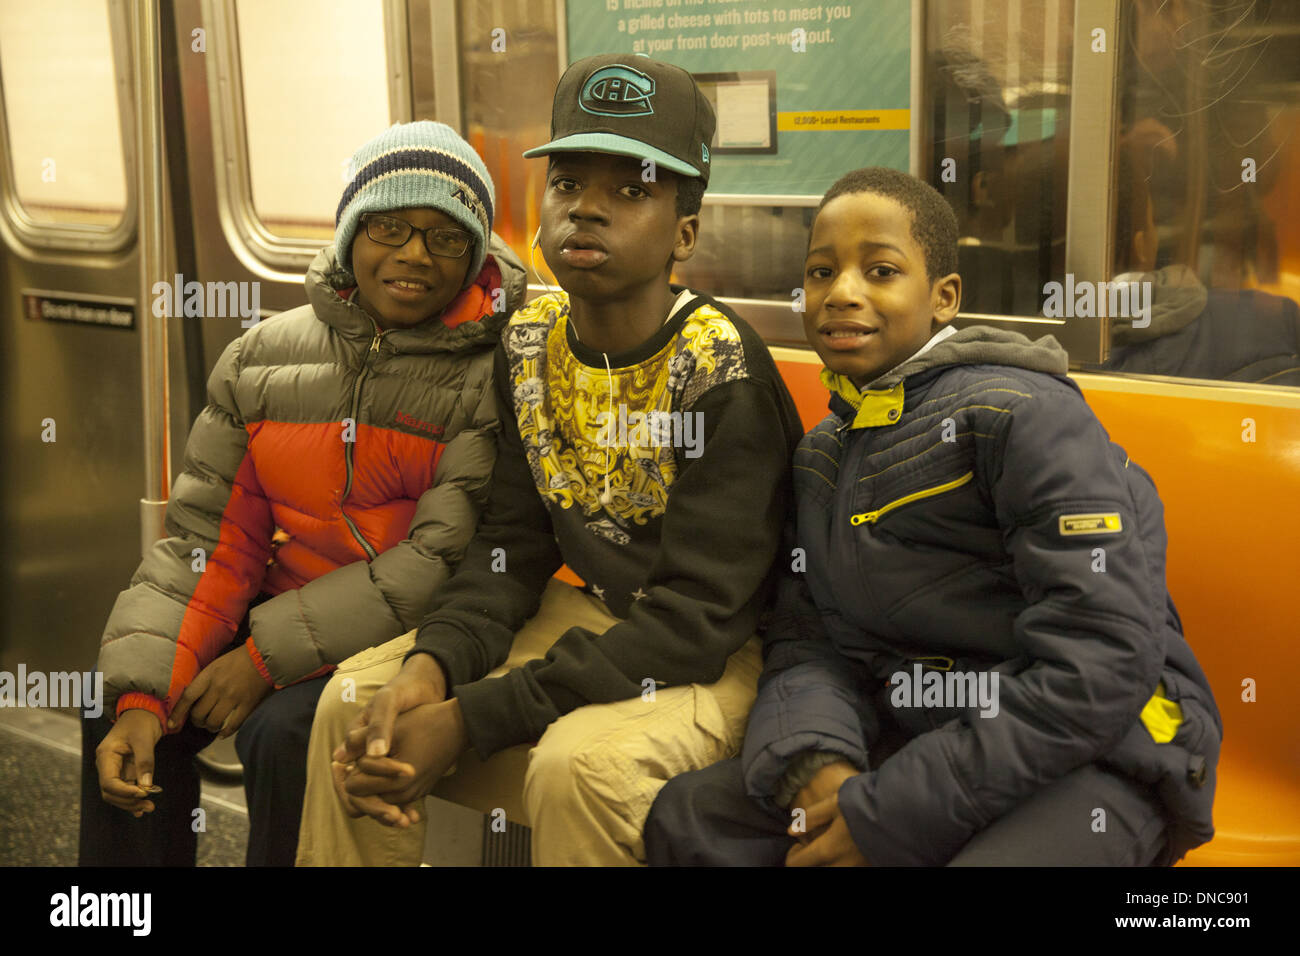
[440, 241]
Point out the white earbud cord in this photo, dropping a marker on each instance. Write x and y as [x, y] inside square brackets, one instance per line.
[606, 497]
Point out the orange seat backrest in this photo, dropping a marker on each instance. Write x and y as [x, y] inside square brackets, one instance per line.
[1227, 464]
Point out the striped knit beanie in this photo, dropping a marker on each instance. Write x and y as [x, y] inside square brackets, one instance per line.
[412, 165]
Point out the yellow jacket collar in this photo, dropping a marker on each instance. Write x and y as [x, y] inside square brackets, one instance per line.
[874, 408]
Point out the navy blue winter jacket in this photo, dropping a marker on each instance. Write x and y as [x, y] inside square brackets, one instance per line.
[971, 514]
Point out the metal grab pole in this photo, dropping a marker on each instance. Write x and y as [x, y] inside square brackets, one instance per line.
[153, 330]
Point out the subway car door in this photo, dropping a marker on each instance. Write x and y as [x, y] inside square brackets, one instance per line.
[72, 468]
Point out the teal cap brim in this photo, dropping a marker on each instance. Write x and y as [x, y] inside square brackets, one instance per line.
[1030, 126]
[618, 145]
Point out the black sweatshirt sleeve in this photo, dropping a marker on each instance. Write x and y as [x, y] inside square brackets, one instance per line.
[720, 534]
[474, 616]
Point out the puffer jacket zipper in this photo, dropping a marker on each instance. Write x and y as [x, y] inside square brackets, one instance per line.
[871, 517]
[844, 544]
[347, 451]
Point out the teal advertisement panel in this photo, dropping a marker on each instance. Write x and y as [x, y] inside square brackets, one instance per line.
[803, 92]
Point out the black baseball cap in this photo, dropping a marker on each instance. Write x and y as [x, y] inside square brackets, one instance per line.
[631, 105]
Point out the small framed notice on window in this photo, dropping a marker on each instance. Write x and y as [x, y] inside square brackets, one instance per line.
[745, 105]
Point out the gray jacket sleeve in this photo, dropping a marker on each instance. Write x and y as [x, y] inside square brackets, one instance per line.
[174, 618]
[299, 633]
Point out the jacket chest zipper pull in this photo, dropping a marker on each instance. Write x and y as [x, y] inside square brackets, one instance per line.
[871, 517]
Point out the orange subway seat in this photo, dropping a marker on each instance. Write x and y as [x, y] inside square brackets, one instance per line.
[1233, 521]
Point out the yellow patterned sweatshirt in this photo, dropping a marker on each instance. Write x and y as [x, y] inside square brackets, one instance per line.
[662, 480]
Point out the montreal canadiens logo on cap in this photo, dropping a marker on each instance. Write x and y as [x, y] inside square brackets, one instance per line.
[617, 91]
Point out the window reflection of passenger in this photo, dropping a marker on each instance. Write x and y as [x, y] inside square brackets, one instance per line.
[1004, 152]
[1195, 87]
[1236, 335]
[1184, 216]
[971, 161]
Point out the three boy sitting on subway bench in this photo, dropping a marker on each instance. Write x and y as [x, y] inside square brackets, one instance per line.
[946, 522]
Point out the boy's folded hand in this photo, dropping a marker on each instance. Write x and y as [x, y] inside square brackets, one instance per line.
[426, 741]
[124, 762]
[825, 783]
[420, 681]
[371, 736]
[834, 845]
[223, 695]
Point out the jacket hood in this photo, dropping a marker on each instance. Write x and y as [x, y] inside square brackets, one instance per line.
[1177, 298]
[973, 345]
[984, 345]
[502, 268]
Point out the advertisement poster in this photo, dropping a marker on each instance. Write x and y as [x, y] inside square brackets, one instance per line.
[802, 91]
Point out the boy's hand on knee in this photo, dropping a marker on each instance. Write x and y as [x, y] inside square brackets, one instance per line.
[372, 788]
[426, 741]
[419, 682]
[339, 772]
[124, 762]
[825, 783]
[834, 846]
[223, 695]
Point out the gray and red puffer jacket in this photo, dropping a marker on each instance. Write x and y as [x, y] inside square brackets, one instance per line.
[337, 468]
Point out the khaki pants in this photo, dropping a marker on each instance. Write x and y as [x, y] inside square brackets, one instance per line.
[585, 788]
